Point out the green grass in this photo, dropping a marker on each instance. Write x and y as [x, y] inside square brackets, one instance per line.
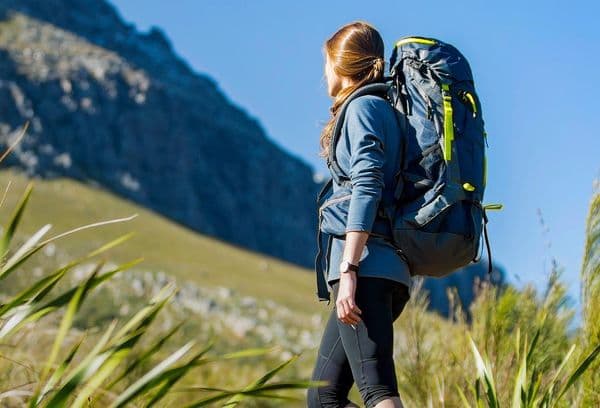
[164, 244]
[79, 378]
[432, 354]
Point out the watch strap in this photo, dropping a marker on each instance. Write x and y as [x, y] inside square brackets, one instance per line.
[351, 266]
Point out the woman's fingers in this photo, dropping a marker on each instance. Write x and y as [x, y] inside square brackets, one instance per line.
[353, 310]
[352, 318]
[353, 306]
[347, 311]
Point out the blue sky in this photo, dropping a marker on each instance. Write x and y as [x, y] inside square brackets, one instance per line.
[535, 64]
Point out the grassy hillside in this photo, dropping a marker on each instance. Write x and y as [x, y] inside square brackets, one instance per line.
[165, 245]
[274, 304]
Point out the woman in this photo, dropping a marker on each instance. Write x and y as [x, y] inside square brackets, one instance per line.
[370, 281]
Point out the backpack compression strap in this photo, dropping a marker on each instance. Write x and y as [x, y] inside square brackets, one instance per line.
[337, 173]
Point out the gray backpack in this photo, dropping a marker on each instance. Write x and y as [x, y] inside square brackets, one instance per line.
[437, 216]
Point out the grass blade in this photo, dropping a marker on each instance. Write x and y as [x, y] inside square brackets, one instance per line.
[149, 311]
[82, 371]
[67, 320]
[172, 376]
[93, 225]
[520, 381]
[109, 364]
[16, 142]
[145, 356]
[35, 292]
[30, 312]
[5, 193]
[26, 247]
[579, 370]
[484, 372]
[549, 394]
[14, 220]
[7, 270]
[261, 381]
[462, 396]
[140, 385]
[253, 392]
[56, 375]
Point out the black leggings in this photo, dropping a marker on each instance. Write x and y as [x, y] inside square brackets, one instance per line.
[364, 355]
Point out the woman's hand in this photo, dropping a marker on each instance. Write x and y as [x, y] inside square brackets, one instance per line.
[347, 310]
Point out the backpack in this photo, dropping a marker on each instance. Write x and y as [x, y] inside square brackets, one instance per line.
[437, 216]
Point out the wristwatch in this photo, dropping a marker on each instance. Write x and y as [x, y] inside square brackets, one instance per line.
[346, 266]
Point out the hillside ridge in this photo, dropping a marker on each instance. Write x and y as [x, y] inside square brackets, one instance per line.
[111, 105]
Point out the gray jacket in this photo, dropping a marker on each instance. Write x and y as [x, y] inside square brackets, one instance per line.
[368, 151]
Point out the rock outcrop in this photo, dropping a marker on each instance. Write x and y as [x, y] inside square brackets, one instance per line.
[116, 107]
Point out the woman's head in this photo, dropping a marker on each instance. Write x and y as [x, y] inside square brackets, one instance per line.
[353, 58]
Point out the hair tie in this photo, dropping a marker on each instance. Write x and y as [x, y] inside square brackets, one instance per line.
[376, 60]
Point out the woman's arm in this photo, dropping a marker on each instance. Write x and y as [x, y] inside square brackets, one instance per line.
[354, 245]
[365, 135]
[366, 142]
[367, 157]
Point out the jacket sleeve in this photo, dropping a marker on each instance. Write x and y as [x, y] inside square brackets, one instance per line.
[365, 135]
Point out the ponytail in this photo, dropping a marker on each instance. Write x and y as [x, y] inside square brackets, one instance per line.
[360, 59]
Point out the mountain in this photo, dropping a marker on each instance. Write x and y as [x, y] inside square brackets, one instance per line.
[117, 108]
[111, 106]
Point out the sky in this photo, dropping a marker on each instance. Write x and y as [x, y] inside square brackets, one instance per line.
[535, 65]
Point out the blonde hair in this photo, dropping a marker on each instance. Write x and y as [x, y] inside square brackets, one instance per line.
[355, 51]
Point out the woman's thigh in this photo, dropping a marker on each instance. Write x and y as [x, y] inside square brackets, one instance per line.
[331, 366]
[369, 347]
[365, 354]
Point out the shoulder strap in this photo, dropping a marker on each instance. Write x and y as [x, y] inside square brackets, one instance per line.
[337, 173]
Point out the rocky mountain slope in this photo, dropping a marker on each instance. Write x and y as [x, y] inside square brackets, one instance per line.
[113, 106]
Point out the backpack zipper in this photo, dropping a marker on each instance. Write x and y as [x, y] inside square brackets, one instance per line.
[467, 97]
